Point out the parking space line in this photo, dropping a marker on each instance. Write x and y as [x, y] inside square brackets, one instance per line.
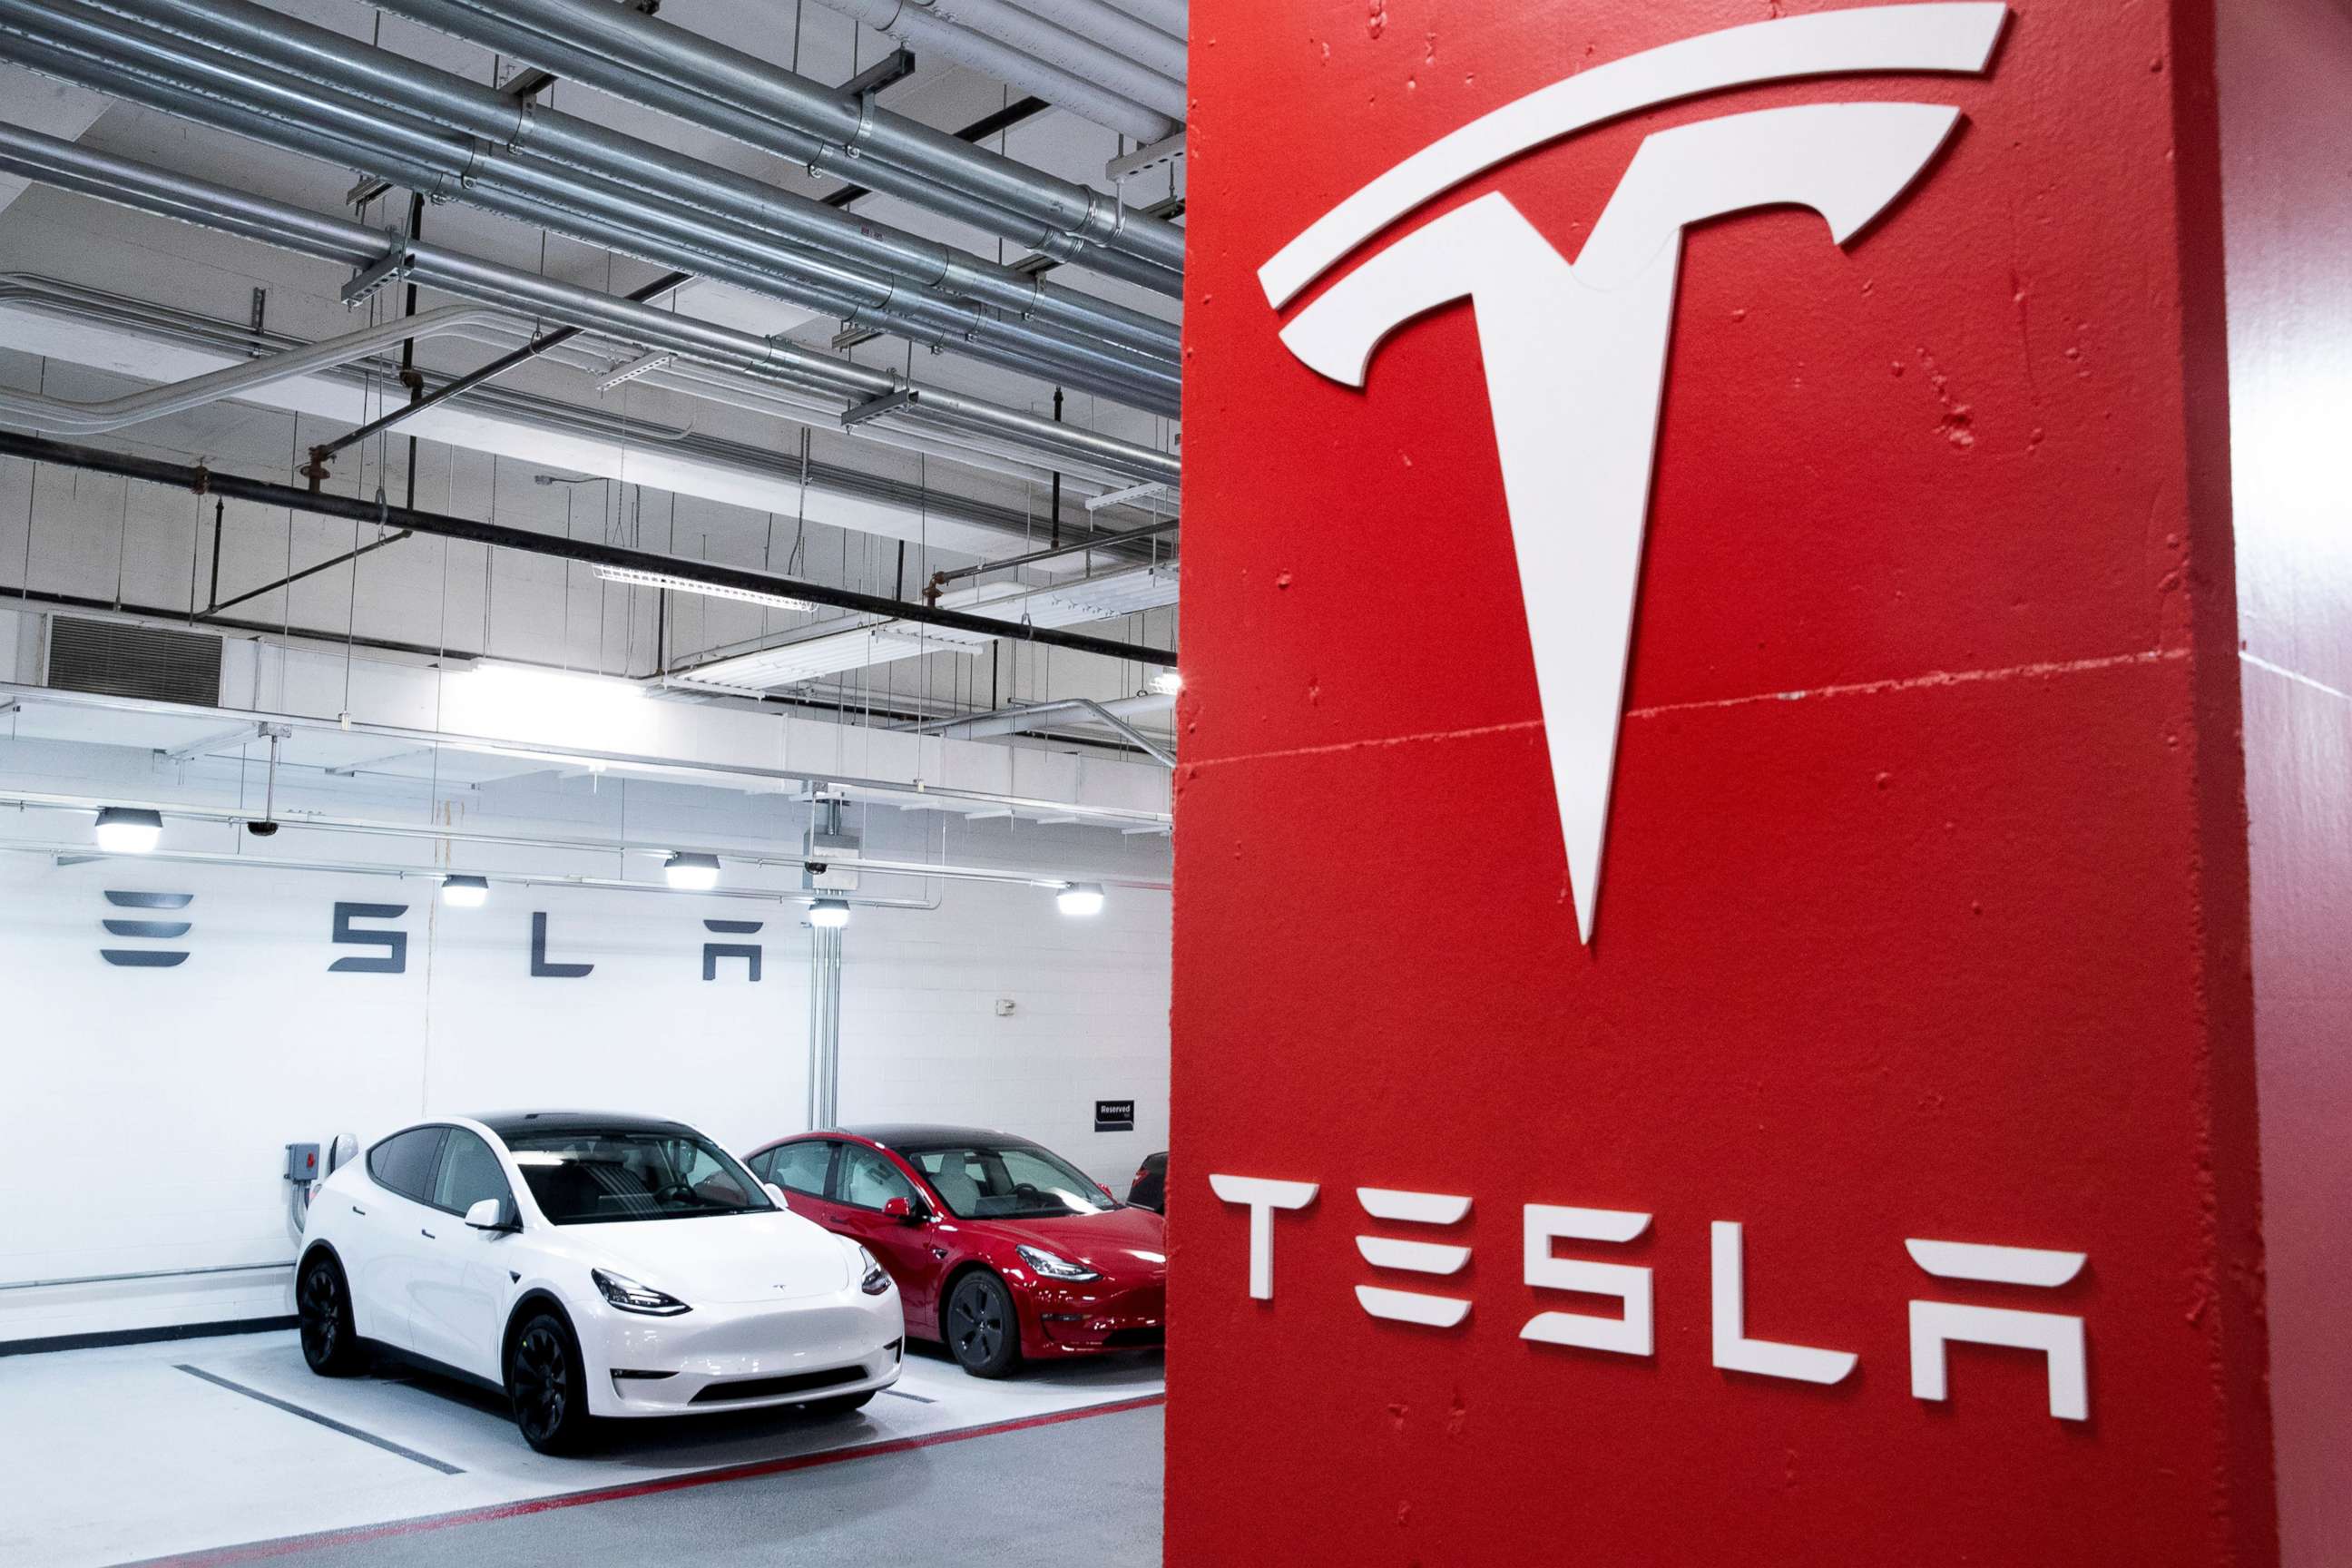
[356, 1535]
[902, 1394]
[386, 1443]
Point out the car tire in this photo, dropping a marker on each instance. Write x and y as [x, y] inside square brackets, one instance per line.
[547, 1383]
[323, 1306]
[840, 1404]
[984, 1333]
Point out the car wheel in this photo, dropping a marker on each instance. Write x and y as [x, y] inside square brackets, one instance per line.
[841, 1403]
[548, 1384]
[322, 1303]
[983, 1331]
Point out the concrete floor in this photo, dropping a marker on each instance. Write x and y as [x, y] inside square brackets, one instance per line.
[228, 1450]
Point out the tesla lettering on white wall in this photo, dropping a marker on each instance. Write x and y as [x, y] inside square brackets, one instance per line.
[1575, 352]
[1631, 1330]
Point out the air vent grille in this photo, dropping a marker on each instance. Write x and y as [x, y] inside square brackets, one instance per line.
[115, 659]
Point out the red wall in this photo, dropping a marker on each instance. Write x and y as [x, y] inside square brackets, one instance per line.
[2287, 132]
[1924, 912]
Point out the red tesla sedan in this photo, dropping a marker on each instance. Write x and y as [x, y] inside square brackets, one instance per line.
[1000, 1248]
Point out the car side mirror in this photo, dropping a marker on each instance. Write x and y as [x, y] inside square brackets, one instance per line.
[916, 1211]
[490, 1214]
[777, 1193]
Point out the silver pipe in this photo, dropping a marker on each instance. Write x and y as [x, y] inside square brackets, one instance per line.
[531, 130]
[145, 1274]
[668, 69]
[1139, 41]
[1025, 52]
[74, 167]
[1173, 17]
[56, 414]
[282, 111]
[825, 1026]
[491, 746]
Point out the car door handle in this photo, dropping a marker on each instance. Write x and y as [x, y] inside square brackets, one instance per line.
[427, 1234]
[359, 1211]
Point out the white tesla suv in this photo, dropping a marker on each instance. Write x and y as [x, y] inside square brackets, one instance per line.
[589, 1266]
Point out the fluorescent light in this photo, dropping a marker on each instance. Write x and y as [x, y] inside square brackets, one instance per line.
[508, 699]
[693, 873]
[830, 913]
[465, 892]
[128, 829]
[636, 579]
[1080, 899]
[1166, 683]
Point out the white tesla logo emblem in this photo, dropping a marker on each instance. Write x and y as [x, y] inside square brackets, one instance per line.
[1575, 352]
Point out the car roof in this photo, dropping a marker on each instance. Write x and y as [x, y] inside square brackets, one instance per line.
[916, 1134]
[512, 1125]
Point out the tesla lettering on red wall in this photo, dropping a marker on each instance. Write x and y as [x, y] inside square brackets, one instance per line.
[1934, 1324]
[1575, 352]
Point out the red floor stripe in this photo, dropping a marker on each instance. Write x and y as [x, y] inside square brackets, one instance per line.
[261, 1550]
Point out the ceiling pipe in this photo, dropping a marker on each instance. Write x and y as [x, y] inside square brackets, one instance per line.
[668, 69]
[881, 789]
[1153, 48]
[164, 325]
[1173, 17]
[590, 552]
[1032, 56]
[71, 166]
[281, 112]
[525, 131]
[59, 415]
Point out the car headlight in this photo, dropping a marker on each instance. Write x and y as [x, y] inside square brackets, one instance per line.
[1053, 1267]
[876, 1281]
[631, 1297]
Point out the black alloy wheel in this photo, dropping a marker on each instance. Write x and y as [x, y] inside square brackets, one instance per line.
[982, 1329]
[329, 1343]
[546, 1380]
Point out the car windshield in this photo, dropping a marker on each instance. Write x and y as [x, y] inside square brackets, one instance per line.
[600, 1177]
[1006, 1181]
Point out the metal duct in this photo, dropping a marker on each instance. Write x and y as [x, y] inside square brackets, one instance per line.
[1033, 56]
[56, 414]
[668, 69]
[1139, 41]
[250, 101]
[532, 131]
[73, 168]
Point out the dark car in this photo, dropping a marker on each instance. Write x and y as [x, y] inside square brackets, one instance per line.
[1150, 1188]
[1001, 1247]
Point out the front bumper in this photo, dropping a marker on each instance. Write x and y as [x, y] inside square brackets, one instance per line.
[1092, 1318]
[742, 1356]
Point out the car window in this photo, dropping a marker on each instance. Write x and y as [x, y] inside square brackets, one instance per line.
[404, 1162]
[601, 1175]
[469, 1173]
[1006, 1181]
[869, 1180]
[799, 1167]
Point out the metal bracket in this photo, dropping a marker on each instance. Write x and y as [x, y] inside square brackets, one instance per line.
[391, 269]
[875, 407]
[643, 364]
[888, 71]
[1157, 155]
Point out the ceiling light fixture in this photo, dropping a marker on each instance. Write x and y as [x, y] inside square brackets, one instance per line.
[634, 578]
[1166, 683]
[465, 892]
[831, 914]
[1080, 899]
[128, 829]
[692, 873]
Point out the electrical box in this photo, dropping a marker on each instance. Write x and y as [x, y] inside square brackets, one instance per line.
[831, 851]
[302, 1163]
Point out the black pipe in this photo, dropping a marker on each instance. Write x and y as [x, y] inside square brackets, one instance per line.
[592, 552]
